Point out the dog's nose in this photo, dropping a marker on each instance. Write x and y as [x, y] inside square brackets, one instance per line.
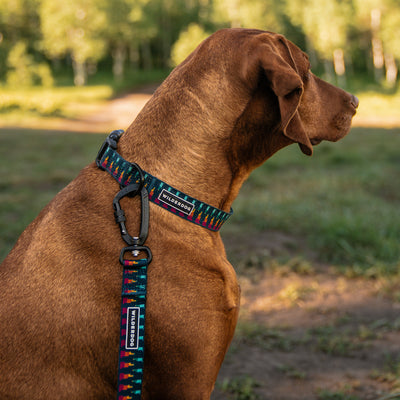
[354, 101]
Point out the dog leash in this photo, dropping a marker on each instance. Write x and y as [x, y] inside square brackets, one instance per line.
[134, 181]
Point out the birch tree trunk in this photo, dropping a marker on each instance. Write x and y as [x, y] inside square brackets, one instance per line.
[119, 56]
[80, 73]
[377, 47]
[391, 69]
[340, 67]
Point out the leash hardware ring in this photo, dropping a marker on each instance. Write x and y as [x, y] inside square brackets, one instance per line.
[140, 182]
[135, 248]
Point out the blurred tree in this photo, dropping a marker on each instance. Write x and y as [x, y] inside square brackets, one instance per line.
[360, 32]
[325, 23]
[23, 71]
[187, 42]
[391, 41]
[129, 23]
[19, 21]
[20, 64]
[368, 17]
[258, 14]
[381, 18]
[74, 28]
[172, 17]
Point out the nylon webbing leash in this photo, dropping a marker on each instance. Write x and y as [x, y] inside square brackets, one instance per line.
[134, 181]
[133, 304]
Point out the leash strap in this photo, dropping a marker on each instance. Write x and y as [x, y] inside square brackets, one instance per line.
[133, 304]
[160, 193]
[133, 309]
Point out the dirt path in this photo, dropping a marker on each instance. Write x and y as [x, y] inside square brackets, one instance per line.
[307, 332]
[118, 113]
[313, 337]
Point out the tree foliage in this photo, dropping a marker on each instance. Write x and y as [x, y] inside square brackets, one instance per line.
[338, 34]
[187, 42]
[73, 28]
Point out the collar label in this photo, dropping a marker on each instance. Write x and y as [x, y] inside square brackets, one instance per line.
[175, 202]
[132, 328]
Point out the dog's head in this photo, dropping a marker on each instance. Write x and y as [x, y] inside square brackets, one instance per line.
[282, 100]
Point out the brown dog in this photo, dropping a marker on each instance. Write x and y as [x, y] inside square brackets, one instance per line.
[237, 99]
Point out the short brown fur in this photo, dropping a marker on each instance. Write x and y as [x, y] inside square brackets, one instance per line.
[236, 100]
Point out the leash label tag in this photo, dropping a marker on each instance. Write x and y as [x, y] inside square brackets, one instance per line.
[132, 328]
[175, 202]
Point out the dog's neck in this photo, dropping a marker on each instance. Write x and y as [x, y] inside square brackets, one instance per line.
[184, 149]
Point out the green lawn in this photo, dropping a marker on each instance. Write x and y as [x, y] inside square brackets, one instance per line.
[34, 166]
[342, 203]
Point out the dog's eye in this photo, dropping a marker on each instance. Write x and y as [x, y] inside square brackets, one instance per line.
[296, 92]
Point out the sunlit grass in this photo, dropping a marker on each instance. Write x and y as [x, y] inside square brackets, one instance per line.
[382, 105]
[65, 100]
[51, 102]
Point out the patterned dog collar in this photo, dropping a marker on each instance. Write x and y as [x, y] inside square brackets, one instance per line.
[160, 193]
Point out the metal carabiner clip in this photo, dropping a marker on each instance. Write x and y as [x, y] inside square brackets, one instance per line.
[120, 218]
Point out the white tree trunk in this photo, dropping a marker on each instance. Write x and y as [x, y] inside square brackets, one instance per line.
[340, 67]
[391, 69]
[119, 56]
[80, 73]
[377, 47]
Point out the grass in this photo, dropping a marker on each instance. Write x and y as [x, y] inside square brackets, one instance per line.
[34, 166]
[340, 395]
[52, 102]
[241, 388]
[292, 372]
[332, 342]
[340, 339]
[390, 373]
[65, 100]
[255, 334]
[343, 201]
[383, 104]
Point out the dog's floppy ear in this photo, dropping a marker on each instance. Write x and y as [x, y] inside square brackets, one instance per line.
[280, 70]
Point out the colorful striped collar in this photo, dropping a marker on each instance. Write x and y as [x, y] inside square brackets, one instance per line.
[160, 193]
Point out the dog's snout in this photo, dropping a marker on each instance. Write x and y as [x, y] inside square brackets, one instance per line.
[354, 101]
